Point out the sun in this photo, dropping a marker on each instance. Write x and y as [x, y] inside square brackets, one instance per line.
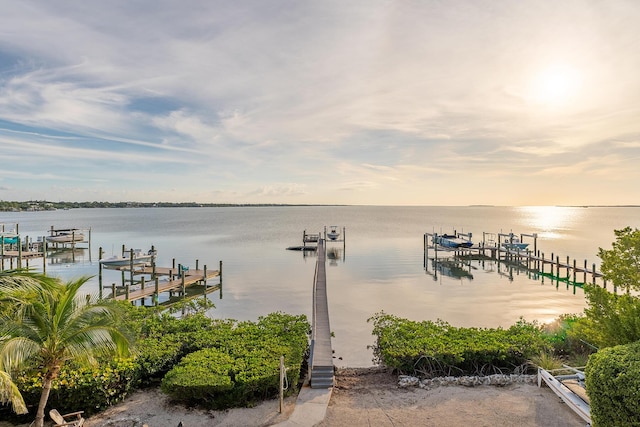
[555, 85]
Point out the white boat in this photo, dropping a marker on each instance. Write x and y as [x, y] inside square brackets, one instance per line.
[573, 400]
[117, 261]
[333, 233]
[513, 243]
[66, 237]
[451, 241]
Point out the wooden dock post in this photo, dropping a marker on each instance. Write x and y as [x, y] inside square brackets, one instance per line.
[153, 263]
[204, 278]
[43, 246]
[184, 294]
[19, 262]
[100, 271]
[220, 273]
[156, 295]
[131, 273]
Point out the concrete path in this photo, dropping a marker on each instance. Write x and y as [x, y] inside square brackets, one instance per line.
[311, 407]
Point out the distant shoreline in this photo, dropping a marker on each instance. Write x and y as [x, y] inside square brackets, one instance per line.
[43, 205]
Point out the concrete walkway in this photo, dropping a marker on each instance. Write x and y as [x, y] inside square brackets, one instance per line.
[311, 407]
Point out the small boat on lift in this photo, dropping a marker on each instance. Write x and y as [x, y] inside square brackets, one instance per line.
[10, 239]
[451, 241]
[333, 233]
[66, 237]
[513, 242]
[126, 260]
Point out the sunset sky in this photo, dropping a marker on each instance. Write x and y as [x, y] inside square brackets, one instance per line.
[423, 102]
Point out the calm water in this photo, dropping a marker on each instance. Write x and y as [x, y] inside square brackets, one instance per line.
[380, 269]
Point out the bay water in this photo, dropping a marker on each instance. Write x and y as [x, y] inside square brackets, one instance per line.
[380, 266]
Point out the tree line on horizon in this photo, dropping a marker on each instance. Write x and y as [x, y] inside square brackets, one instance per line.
[42, 205]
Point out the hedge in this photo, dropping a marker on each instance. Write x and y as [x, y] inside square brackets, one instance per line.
[438, 349]
[612, 378]
[244, 365]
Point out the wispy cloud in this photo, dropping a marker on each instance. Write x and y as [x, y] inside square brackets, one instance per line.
[277, 101]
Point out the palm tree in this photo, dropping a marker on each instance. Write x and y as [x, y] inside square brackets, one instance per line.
[49, 325]
[18, 279]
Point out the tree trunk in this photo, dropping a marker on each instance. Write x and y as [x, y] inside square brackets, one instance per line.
[44, 397]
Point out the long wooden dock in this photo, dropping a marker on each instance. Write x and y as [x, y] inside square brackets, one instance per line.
[321, 357]
[533, 260]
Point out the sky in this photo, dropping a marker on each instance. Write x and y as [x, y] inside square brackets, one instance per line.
[366, 102]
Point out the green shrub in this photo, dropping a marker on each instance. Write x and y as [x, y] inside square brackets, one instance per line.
[241, 362]
[436, 348]
[250, 349]
[201, 377]
[156, 356]
[613, 385]
[91, 388]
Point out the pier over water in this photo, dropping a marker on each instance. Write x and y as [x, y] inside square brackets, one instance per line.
[321, 358]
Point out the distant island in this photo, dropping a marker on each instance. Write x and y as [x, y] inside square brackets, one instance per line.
[41, 205]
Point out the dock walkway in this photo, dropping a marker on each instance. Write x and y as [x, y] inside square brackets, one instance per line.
[321, 358]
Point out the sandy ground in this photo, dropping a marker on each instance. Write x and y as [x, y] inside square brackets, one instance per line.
[364, 397]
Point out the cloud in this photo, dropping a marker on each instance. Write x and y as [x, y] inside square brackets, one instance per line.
[366, 96]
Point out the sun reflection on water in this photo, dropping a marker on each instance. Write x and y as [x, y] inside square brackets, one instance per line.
[551, 222]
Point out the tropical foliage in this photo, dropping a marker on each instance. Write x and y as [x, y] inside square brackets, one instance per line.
[609, 320]
[613, 384]
[182, 349]
[238, 362]
[621, 264]
[83, 387]
[47, 324]
[438, 349]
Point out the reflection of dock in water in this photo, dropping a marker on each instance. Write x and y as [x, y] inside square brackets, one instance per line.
[334, 255]
[68, 256]
[453, 268]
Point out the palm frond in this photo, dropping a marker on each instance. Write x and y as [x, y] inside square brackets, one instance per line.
[9, 393]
